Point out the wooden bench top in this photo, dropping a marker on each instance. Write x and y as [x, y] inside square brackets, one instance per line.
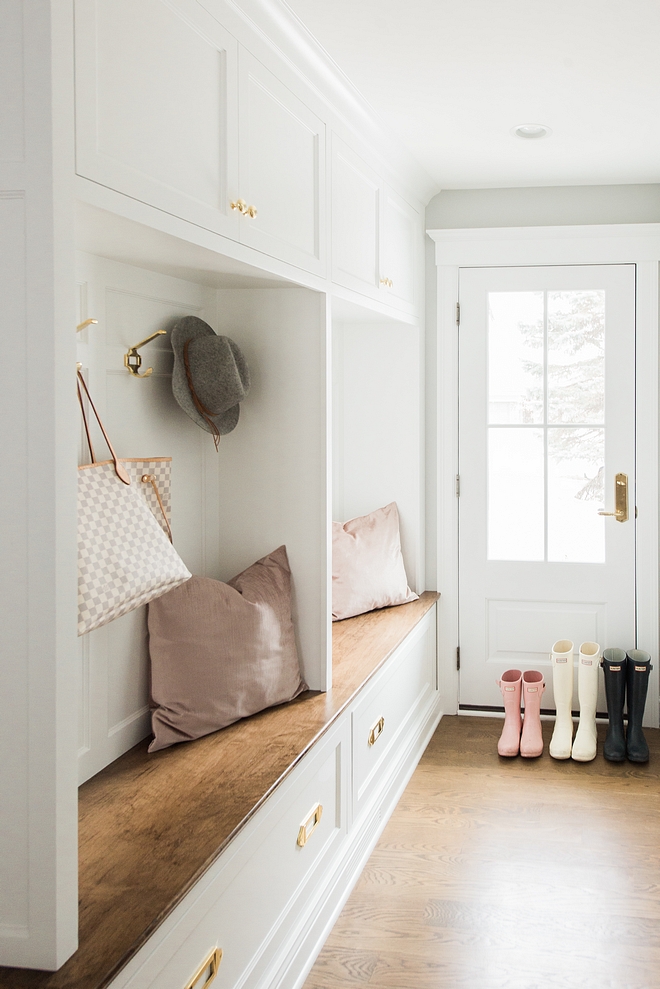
[151, 825]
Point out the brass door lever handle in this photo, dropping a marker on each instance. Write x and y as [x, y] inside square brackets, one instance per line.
[620, 512]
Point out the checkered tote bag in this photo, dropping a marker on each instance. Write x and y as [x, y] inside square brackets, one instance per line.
[125, 556]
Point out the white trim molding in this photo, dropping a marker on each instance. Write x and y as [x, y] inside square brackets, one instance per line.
[607, 243]
[637, 243]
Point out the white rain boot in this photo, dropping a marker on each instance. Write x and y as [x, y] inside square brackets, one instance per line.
[562, 688]
[585, 744]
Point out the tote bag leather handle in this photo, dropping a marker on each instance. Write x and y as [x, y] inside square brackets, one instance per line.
[119, 468]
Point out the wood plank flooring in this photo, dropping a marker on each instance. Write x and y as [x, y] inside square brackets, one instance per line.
[507, 874]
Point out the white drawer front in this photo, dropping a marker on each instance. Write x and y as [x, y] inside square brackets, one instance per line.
[256, 899]
[379, 720]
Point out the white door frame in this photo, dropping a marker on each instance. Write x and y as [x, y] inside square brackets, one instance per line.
[637, 243]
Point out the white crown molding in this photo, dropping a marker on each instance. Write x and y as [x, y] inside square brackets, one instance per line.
[607, 243]
[280, 28]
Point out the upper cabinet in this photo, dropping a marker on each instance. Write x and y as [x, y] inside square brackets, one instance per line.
[281, 170]
[156, 101]
[158, 95]
[401, 242]
[376, 235]
[174, 111]
[356, 221]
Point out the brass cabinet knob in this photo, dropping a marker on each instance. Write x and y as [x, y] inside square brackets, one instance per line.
[387, 282]
[243, 208]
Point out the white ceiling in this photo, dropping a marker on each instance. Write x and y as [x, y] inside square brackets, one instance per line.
[452, 79]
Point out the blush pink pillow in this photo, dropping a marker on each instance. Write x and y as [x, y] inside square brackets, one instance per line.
[367, 566]
[220, 652]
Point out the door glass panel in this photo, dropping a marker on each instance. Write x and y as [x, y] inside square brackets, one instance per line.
[576, 468]
[515, 494]
[515, 357]
[576, 356]
[546, 366]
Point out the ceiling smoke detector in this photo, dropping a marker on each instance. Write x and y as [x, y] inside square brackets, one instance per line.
[531, 131]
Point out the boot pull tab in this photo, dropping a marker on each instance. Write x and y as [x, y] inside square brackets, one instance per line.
[502, 684]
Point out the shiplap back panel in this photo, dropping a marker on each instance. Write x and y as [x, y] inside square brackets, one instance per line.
[264, 487]
[143, 420]
[378, 430]
[273, 472]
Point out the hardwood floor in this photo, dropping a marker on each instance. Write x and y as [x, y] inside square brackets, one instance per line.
[507, 874]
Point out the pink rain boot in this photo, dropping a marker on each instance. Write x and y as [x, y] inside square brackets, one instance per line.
[510, 684]
[531, 741]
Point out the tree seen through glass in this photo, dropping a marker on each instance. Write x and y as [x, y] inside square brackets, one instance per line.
[575, 378]
[546, 368]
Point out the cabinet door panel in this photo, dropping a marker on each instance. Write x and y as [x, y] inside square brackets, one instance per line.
[356, 208]
[281, 169]
[156, 106]
[402, 236]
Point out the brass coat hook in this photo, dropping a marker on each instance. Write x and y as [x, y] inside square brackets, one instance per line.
[133, 361]
[85, 324]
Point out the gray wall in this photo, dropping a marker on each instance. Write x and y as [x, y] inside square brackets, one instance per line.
[456, 208]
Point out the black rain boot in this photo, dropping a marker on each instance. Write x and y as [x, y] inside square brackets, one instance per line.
[639, 668]
[614, 670]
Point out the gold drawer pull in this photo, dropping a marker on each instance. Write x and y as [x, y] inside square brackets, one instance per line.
[213, 960]
[313, 818]
[376, 731]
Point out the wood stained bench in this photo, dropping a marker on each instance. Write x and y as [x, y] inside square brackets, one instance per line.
[151, 826]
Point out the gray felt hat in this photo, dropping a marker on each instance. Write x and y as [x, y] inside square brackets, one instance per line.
[210, 375]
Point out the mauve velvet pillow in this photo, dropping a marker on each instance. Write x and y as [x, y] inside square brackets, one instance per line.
[220, 652]
[367, 566]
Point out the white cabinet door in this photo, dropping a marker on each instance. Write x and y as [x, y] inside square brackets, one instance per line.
[156, 102]
[402, 237]
[281, 169]
[356, 221]
[376, 235]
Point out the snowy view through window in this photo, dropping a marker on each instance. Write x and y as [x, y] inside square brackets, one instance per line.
[546, 417]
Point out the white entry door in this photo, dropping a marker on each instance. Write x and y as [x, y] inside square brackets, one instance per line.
[547, 424]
